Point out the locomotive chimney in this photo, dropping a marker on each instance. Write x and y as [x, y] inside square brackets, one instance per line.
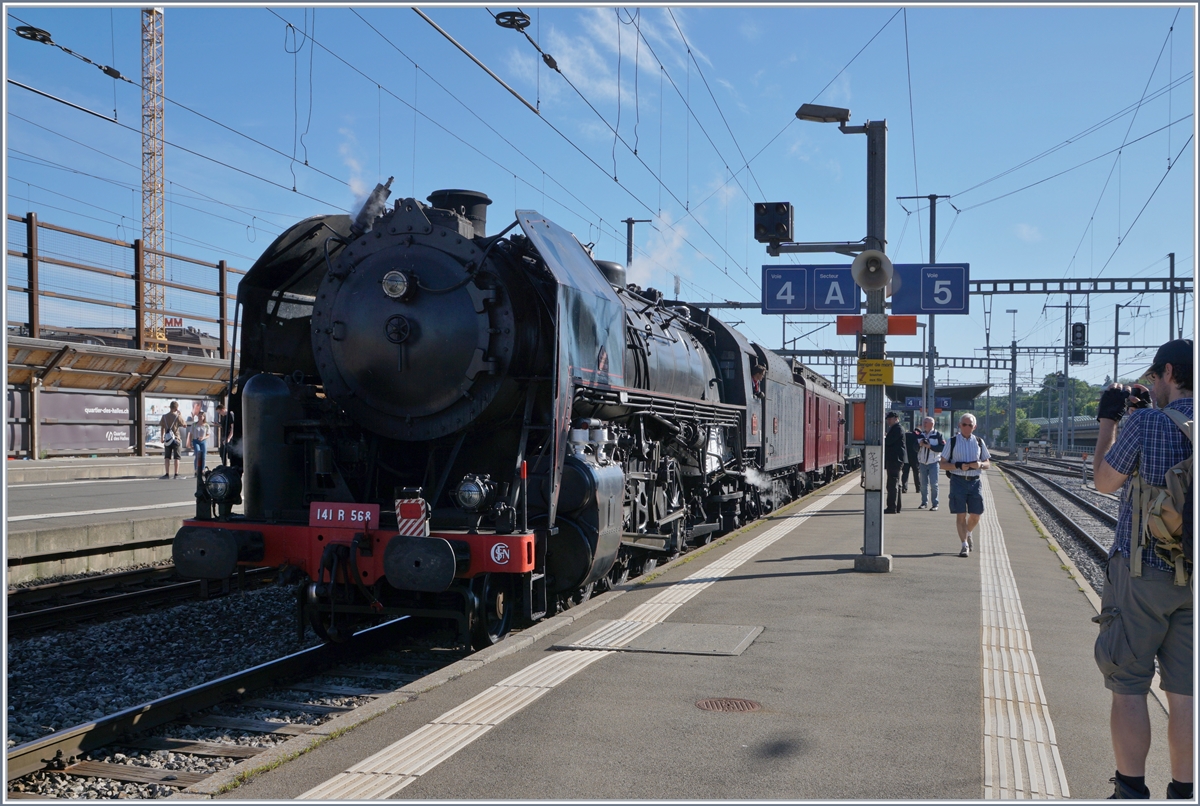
[468, 203]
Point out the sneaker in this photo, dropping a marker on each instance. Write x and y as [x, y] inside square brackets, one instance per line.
[165, 476]
[933, 508]
[176, 475]
[1174, 794]
[971, 542]
[921, 507]
[1123, 791]
[890, 511]
[904, 489]
[965, 552]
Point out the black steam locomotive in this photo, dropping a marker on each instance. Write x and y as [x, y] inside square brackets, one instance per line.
[486, 429]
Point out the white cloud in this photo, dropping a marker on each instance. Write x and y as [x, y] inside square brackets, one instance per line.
[661, 254]
[1028, 233]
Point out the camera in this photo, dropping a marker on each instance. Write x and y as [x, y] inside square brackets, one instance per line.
[1138, 399]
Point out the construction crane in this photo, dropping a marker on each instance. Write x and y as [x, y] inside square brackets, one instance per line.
[153, 324]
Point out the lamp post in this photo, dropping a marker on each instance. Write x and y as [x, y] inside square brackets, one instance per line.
[873, 557]
[1012, 389]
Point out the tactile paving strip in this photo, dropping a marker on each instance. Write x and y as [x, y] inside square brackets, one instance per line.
[1020, 750]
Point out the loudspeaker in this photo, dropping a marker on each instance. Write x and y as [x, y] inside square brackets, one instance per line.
[871, 270]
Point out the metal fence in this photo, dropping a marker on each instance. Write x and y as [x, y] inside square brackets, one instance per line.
[78, 286]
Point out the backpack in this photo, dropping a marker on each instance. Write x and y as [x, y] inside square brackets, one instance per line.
[1165, 513]
[953, 438]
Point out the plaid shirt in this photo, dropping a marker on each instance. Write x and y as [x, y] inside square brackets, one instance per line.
[1152, 444]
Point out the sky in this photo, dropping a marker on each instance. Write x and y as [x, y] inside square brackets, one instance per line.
[1063, 138]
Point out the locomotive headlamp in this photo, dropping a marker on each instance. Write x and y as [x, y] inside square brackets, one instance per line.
[223, 484]
[397, 284]
[473, 493]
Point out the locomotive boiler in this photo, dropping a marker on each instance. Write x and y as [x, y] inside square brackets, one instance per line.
[484, 429]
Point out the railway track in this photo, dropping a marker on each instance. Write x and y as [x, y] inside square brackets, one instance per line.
[104, 596]
[286, 697]
[1093, 525]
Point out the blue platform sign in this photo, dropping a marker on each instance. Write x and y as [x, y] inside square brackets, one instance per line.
[918, 402]
[938, 288]
[785, 289]
[809, 289]
[834, 290]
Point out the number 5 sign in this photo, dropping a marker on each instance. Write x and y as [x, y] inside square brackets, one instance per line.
[939, 288]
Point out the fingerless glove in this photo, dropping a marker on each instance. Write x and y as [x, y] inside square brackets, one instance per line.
[1112, 404]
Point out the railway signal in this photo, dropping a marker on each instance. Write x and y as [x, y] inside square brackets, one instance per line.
[773, 222]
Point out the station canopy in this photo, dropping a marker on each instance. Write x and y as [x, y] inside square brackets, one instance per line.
[66, 365]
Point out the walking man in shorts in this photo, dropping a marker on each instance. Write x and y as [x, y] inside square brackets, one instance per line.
[965, 458]
[1144, 615]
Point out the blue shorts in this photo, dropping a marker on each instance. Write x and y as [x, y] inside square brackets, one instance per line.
[966, 495]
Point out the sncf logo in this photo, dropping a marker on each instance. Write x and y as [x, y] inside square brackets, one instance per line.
[500, 554]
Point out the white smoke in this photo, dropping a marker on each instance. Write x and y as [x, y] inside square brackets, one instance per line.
[760, 480]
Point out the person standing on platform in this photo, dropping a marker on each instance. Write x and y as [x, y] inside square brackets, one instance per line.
[169, 426]
[200, 433]
[911, 446]
[224, 426]
[893, 460]
[965, 458]
[929, 456]
[1145, 611]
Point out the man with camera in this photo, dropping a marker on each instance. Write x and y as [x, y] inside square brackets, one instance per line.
[929, 455]
[1144, 614]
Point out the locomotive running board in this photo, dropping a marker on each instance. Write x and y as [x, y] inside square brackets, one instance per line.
[663, 637]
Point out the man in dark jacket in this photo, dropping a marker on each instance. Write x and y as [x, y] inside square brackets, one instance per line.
[911, 446]
[894, 454]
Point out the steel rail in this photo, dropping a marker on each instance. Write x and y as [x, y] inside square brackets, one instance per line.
[107, 606]
[37, 755]
[1083, 503]
[1089, 541]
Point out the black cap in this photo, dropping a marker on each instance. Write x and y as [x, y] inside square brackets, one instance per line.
[1177, 353]
[892, 415]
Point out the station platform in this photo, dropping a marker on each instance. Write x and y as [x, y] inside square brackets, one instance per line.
[945, 678]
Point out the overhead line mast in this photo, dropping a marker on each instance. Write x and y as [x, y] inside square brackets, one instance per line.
[153, 329]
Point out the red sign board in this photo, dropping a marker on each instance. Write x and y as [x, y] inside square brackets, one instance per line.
[343, 516]
[898, 325]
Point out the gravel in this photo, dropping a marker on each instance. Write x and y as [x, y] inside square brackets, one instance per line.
[1089, 565]
[61, 679]
[65, 678]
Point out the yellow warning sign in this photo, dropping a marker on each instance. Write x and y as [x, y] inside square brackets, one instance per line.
[875, 371]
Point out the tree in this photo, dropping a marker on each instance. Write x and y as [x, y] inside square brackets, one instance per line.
[1025, 429]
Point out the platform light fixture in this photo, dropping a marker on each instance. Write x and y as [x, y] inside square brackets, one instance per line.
[823, 114]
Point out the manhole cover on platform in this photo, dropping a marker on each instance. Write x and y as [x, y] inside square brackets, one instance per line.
[728, 705]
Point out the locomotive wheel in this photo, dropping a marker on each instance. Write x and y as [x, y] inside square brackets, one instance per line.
[493, 602]
[332, 628]
[582, 594]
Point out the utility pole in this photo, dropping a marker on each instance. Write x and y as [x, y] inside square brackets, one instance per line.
[1012, 401]
[1063, 406]
[1118, 333]
[629, 222]
[1171, 296]
[931, 365]
[153, 326]
[873, 557]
